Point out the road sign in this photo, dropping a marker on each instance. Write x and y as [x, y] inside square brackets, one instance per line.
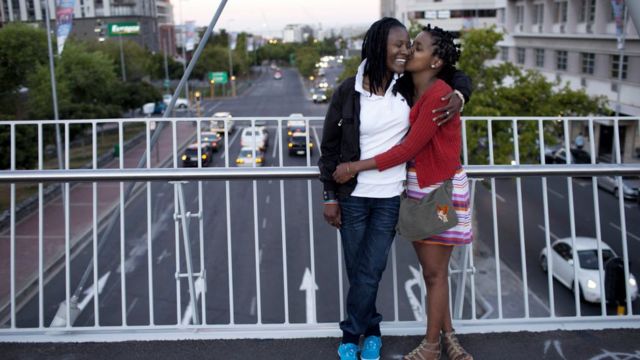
[219, 77]
[123, 29]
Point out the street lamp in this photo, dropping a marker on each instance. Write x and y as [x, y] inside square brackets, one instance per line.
[184, 55]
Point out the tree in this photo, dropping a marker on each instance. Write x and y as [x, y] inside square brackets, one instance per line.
[506, 90]
[350, 68]
[138, 62]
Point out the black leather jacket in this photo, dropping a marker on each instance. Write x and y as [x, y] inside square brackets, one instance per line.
[341, 131]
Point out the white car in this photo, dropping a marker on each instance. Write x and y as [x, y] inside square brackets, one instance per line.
[257, 137]
[588, 274]
[630, 186]
[218, 121]
[246, 157]
[181, 103]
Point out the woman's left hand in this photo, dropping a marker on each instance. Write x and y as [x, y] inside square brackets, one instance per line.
[448, 111]
[343, 173]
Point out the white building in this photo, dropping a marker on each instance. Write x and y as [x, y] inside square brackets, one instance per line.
[292, 33]
[575, 42]
[165, 12]
[451, 15]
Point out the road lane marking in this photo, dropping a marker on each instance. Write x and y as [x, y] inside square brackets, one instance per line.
[628, 206]
[309, 286]
[315, 134]
[275, 146]
[233, 138]
[416, 305]
[268, 199]
[500, 197]
[582, 184]
[555, 193]
[252, 309]
[133, 303]
[631, 235]
[264, 223]
[553, 236]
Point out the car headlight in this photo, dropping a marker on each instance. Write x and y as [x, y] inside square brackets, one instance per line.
[289, 132]
[204, 156]
[290, 145]
[239, 161]
[258, 160]
[632, 282]
[310, 144]
[591, 284]
[184, 157]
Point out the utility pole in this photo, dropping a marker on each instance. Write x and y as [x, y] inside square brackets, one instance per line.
[124, 71]
[166, 64]
[184, 56]
[232, 79]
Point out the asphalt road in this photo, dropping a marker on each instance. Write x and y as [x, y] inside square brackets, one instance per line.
[252, 229]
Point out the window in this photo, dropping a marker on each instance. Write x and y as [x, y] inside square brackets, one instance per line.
[587, 11]
[416, 15]
[538, 14]
[519, 14]
[615, 66]
[540, 58]
[561, 12]
[561, 60]
[588, 63]
[504, 53]
[563, 250]
[521, 55]
[471, 13]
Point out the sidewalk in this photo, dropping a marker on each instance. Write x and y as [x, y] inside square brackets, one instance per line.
[80, 226]
[552, 345]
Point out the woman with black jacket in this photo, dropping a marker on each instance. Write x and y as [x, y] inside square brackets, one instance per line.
[366, 118]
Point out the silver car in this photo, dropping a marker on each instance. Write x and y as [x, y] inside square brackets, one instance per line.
[630, 185]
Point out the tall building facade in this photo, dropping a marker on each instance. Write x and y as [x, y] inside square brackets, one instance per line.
[91, 17]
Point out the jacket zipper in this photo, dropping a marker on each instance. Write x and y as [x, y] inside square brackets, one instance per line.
[340, 122]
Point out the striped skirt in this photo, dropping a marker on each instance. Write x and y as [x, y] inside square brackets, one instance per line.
[460, 234]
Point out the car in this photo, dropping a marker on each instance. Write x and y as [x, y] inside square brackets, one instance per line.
[181, 103]
[154, 108]
[588, 273]
[298, 144]
[218, 121]
[294, 126]
[319, 96]
[214, 139]
[257, 137]
[630, 186]
[246, 157]
[190, 155]
[578, 156]
[277, 75]
[323, 85]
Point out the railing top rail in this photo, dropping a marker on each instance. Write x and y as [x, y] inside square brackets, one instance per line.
[315, 118]
[295, 172]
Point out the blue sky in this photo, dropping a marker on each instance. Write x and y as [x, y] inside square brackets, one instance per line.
[270, 16]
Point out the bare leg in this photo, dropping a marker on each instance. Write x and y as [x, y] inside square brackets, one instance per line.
[435, 268]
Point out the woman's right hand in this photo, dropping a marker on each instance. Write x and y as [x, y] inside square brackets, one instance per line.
[332, 215]
[343, 173]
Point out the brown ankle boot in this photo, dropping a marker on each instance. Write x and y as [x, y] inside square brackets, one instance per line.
[425, 351]
[455, 351]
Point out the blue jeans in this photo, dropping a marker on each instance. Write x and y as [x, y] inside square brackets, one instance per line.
[368, 229]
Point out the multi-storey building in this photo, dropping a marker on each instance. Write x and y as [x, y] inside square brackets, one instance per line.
[91, 17]
[451, 15]
[166, 27]
[575, 42]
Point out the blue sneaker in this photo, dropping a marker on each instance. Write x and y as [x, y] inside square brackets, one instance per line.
[371, 348]
[348, 351]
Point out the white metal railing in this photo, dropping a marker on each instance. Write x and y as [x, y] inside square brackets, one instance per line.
[197, 310]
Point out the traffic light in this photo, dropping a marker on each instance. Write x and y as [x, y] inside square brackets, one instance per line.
[197, 94]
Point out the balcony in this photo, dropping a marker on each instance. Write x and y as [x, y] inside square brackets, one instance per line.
[130, 245]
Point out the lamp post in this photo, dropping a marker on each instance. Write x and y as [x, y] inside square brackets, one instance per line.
[184, 55]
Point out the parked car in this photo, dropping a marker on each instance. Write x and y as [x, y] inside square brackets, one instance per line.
[298, 144]
[578, 156]
[246, 157]
[319, 96]
[214, 139]
[257, 137]
[218, 120]
[630, 186]
[190, 155]
[588, 273]
[181, 103]
[154, 108]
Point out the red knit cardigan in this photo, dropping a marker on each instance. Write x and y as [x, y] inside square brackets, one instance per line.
[436, 149]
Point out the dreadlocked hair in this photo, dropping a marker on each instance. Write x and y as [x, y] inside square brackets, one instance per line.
[445, 49]
[374, 49]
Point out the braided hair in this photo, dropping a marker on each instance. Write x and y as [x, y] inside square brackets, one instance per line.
[374, 49]
[444, 48]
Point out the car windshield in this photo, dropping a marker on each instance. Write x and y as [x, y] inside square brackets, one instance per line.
[248, 153]
[589, 258]
[191, 152]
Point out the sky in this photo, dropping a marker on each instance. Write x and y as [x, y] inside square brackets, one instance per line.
[269, 17]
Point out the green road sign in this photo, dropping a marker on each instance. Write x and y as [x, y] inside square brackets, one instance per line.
[123, 29]
[219, 77]
[166, 83]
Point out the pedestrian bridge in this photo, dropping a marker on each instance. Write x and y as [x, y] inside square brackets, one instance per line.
[124, 243]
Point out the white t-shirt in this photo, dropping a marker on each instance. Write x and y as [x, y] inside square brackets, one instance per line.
[384, 121]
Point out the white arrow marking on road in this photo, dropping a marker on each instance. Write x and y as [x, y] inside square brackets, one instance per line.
[416, 305]
[615, 226]
[309, 286]
[275, 147]
[188, 313]
[89, 292]
[317, 140]
[553, 236]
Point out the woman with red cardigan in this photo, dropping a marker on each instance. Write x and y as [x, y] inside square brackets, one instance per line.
[432, 154]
